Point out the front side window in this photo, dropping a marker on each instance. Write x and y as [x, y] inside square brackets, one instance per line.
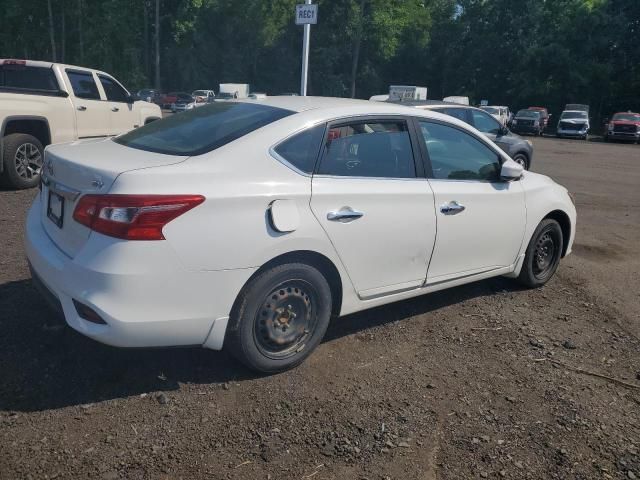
[369, 149]
[83, 85]
[301, 150]
[22, 77]
[115, 93]
[485, 122]
[457, 155]
[201, 130]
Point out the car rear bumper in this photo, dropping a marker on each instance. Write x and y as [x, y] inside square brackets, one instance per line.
[144, 302]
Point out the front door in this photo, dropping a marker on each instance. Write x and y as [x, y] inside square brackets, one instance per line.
[480, 218]
[371, 198]
[92, 114]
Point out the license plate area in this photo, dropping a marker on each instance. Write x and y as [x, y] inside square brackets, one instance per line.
[55, 208]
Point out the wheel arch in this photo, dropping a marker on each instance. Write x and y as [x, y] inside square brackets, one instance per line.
[309, 257]
[29, 124]
[565, 224]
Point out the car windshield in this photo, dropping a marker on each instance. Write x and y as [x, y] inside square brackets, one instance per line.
[528, 114]
[491, 110]
[569, 115]
[630, 117]
[201, 130]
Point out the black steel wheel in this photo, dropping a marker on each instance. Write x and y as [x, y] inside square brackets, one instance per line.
[543, 254]
[279, 317]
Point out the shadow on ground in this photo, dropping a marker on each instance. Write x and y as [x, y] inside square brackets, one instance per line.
[44, 364]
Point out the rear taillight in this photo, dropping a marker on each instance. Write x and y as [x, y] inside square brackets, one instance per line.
[132, 217]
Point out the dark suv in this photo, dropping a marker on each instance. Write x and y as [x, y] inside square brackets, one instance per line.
[516, 147]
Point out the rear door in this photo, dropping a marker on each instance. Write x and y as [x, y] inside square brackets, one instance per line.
[92, 113]
[480, 218]
[122, 116]
[371, 198]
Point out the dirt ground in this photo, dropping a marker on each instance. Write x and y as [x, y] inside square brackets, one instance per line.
[482, 381]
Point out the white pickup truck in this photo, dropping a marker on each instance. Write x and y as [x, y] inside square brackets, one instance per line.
[42, 103]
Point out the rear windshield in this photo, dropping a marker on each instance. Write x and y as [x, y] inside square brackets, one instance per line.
[21, 77]
[202, 130]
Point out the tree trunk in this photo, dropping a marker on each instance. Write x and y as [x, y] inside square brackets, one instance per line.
[63, 39]
[51, 32]
[357, 42]
[157, 82]
[80, 35]
[145, 42]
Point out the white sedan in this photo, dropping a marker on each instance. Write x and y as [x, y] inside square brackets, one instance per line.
[249, 225]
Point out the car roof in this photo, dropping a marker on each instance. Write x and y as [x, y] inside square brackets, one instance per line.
[427, 103]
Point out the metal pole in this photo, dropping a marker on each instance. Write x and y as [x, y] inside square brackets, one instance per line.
[305, 56]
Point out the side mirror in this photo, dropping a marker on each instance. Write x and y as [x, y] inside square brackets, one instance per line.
[511, 171]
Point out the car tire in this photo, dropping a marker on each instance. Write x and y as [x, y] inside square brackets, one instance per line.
[22, 157]
[522, 159]
[543, 254]
[280, 317]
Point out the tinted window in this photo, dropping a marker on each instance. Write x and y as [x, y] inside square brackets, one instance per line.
[115, 93]
[202, 130]
[485, 122]
[301, 150]
[28, 78]
[369, 149]
[456, 155]
[83, 85]
[459, 113]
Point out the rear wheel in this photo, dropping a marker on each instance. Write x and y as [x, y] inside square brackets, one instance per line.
[543, 254]
[280, 318]
[22, 157]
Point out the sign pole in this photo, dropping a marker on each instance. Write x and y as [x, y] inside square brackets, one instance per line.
[305, 56]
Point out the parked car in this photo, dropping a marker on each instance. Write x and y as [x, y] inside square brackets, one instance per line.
[545, 116]
[501, 114]
[574, 122]
[43, 103]
[623, 126]
[169, 99]
[203, 96]
[182, 103]
[229, 226]
[528, 121]
[516, 147]
[148, 95]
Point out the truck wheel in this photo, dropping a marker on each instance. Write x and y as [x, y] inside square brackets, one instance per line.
[281, 317]
[22, 156]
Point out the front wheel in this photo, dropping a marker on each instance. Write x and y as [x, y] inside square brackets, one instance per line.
[280, 318]
[543, 254]
[22, 157]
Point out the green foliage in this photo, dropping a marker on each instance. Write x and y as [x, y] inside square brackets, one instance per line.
[517, 53]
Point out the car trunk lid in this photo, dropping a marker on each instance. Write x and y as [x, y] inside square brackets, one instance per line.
[88, 166]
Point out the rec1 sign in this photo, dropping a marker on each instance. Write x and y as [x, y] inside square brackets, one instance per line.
[306, 14]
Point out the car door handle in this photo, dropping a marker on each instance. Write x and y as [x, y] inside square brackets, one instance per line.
[82, 108]
[115, 109]
[344, 215]
[452, 208]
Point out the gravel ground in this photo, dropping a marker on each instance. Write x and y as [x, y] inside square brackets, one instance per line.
[481, 381]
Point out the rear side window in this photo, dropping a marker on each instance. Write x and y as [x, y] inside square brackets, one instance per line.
[115, 93]
[301, 150]
[202, 129]
[459, 113]
[83, 85]
[369, 149]
[485, 122]
[21, 77]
